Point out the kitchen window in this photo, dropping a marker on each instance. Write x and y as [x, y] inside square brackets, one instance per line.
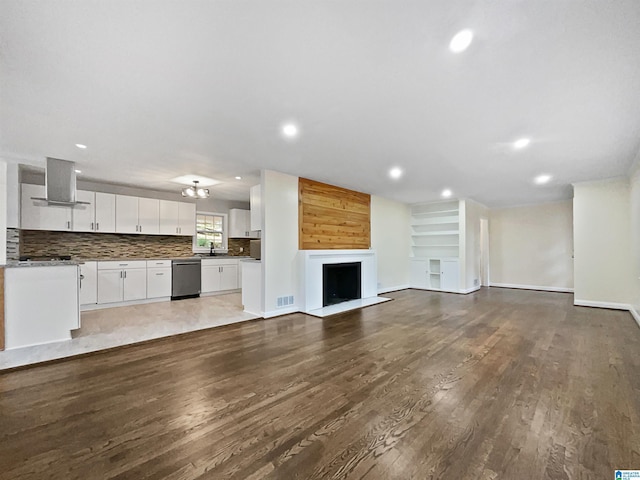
[210, 228]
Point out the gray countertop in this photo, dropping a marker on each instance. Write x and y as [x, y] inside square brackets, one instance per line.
[58, 263]
[48, 263]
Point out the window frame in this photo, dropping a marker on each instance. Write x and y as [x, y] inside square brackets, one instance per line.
[225, 234]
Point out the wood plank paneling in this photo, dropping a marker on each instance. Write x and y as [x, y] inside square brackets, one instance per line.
[331, 217]
[1, 308]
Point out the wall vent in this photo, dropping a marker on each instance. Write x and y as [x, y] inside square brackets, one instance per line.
[285, 301]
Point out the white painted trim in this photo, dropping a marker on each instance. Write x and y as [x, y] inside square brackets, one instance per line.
[100, 306]
[531, 287]
[281, 311]
[393, 289]
[635, 314]
[470, 290]
[66, 339]
[612, 305]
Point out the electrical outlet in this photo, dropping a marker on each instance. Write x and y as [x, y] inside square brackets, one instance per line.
[241, 249]
[475, 282]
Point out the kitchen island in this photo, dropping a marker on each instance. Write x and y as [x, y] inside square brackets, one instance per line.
[41, 302]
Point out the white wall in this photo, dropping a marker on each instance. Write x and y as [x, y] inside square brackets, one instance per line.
[279, 241]
[634, 200]
[604, 267]
[3, 212]
[391, 239]
[531, 246]
[474, 211]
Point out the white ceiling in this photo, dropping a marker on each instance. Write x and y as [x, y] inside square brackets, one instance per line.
[158, 89]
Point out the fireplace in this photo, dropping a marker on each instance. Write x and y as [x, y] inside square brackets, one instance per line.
[341, 282]
[360, 291]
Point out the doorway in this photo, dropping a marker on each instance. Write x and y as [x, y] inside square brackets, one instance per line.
[484, 252]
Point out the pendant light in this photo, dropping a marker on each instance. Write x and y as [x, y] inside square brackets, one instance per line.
[195, 191]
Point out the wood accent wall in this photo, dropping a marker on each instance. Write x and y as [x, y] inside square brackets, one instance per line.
[331, 217]
[1, 308]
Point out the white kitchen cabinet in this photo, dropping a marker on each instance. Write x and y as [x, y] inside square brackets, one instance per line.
[122, 281]
[187, 217]
[158, 279]
[98, 215]
[148, 215]
[137, 215]
[177, 218]
[89, 283]
[41, 305]
[169, 217]
[84, 216]
[109, 286]
[126, 214]
[219, 275]
[240, 224]
[38, 215]
[255, 200]
[105, 212]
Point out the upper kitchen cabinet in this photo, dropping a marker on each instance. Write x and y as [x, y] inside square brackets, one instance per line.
[255, 199]
[137, 215]
[177, 218]
[98, 216]
[37, 215]
[240, 224]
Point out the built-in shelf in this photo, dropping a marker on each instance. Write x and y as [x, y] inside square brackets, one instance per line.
[434, 213]
[431, 234]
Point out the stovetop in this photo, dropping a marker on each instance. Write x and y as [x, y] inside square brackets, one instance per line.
[52, 258]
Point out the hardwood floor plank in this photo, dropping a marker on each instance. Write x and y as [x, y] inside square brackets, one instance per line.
[497, 384]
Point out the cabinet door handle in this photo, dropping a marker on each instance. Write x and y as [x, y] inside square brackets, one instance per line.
[159, 273]
[120, 273]
[97, 226]
[69, 225]
[140, 227]
[92, 226]
[125, 274]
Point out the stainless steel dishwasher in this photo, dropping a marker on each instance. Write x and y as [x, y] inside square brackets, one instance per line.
[185, 278]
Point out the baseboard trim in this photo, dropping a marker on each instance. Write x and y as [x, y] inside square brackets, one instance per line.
[280, 312]
[532, 287]
[611, 305]
[393, 289]
[635, 314]
[470, 290]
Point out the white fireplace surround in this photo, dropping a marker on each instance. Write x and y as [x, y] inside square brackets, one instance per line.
[311, 262]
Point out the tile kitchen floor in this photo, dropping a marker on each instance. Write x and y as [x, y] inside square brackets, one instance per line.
[113, 327]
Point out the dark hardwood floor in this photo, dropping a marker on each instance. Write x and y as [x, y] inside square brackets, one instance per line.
[501, 384]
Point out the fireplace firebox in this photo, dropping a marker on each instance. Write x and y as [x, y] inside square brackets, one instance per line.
[341, 282]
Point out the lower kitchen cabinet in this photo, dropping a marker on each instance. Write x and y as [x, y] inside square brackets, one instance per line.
[89, 283]
[219, 275]
[158, 282]
[122, 281]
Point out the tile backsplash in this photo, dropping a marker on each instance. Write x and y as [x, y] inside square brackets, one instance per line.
[40, 243]
[103, 245]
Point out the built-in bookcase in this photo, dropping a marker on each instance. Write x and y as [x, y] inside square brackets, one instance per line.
[435, 229]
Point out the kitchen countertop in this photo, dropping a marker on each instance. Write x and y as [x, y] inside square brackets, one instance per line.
[45, 263]
[58, 263]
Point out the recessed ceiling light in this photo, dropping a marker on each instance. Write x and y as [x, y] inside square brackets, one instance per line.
[541, 179]
[521, 143]
[290, 130]
[461, 41]
[78, 171]
[395, 173]
[446, 193]
[79, 145]
[238, 178]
